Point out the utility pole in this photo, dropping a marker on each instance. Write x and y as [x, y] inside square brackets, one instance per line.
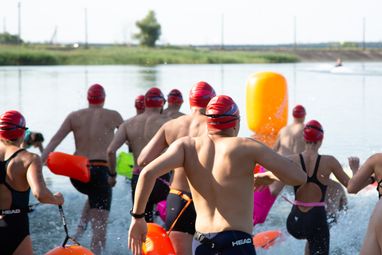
[294, 33]
[19, 14]
[222, 32]
[364, 34]
[86, 28]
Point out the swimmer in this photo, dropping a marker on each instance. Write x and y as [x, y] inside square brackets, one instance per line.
[290, 140]
[140, 104]
[175, 101]
[336, 201]
[308, 219]
[20, 172]
[180, 224]
[338, 63]
[34, 139]
[219, 168]
[93, 129]
[136, 132]
[369, 172]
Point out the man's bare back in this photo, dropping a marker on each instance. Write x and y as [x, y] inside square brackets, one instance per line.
[291, 140]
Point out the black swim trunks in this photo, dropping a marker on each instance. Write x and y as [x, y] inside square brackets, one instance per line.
[180, 204]
[98, 189]
[223, 243]
[159, 193]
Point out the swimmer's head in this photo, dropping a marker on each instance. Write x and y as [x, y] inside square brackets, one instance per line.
[299, 112]
[96, 94]
[313, 132]
[12, 125]
[175, 97]
[200, 94]
[154, 98]
[222, 113]
[140, 103]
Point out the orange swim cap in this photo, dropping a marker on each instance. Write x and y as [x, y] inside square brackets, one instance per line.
[12, 125]
[175, 97]
[96, 94]
[200, 94]
[313, 131]
[154, 98]
[140, 102]
[222, 113]
[299, 111]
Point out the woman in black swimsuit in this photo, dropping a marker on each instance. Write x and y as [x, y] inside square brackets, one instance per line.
[307, 219]
[20, 172]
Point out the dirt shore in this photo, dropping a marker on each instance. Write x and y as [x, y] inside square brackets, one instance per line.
[313, 55]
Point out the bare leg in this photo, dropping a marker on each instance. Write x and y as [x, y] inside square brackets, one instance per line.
[99, 219]
[85, 217]
[25, 247]
[182, 242]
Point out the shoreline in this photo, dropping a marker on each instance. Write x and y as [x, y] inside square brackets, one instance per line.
[329, 55]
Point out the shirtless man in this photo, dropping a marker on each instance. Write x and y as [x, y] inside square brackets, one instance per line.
[93, 129]
[136, 132]
[182, 229]
[219, 168]
[140, 104]
[20, 172]
[368, 173]
[175, 101]
[336, 201]
[289, 141]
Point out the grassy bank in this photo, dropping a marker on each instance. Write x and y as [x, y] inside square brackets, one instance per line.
[39, 55]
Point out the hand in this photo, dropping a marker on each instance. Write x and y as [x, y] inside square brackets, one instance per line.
[354, 164]
[263, 179]
[137, 235]
[59, 198]
[112, 180]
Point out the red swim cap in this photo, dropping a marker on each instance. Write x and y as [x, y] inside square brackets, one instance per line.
[313, 131]
[299, 111]
[96, 94]
[175, 97]
[154, 98]
[140, 102]
[222, 113]
[200, 94]
[12, 125]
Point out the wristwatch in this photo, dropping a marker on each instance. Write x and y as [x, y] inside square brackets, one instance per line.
[136, 215]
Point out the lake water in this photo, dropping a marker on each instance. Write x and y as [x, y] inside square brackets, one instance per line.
[347, 101]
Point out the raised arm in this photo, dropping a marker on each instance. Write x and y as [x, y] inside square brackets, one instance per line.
[285, 169]
[363, 176]
[38, 186]
[154, 148]
[120, 137]
[338, 171]
[172, 158]
[62, 132]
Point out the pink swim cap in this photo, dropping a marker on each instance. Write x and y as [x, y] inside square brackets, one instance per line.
[154, 98]
[96, 94]
[200, 94]
[313, 131]
[222, 113]
[175, 97]
[299, 111]
[140, 102]
[12, 125]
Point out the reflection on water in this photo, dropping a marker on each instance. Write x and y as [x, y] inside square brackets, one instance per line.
[347, 104]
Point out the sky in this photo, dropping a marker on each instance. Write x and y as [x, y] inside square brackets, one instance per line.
[196, 22]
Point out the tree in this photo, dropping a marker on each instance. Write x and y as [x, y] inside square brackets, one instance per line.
[150, 30]
[7, 38]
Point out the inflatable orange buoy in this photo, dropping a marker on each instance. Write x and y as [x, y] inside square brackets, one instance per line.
[266, 239]
[70, 250]
[73, 166]
[157, 241]
[266, 103]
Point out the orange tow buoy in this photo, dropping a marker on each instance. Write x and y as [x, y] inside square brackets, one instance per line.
[266, 239]
[157, 241]
[70, 250]
[73, 166]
